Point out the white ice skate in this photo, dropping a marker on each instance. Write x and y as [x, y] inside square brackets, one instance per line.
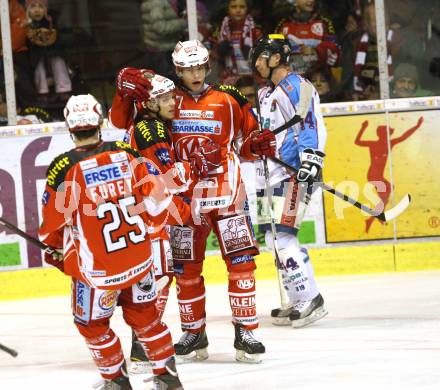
[280, 316]
[307, 312]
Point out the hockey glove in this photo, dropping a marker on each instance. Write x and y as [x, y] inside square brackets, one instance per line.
[135, 83]
[312, 162]
[207, 158]
[264, 143]
[54, 257]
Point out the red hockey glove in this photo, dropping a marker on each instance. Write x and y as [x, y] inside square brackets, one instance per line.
[55, 259]
[135, 83]
[207, 157]
[264, 143]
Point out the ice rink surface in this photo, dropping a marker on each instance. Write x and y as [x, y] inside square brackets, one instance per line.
[382, 332]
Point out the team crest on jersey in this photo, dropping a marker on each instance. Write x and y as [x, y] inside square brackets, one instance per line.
[185, 146]
[152, 169]
[107, 173]
[197, 127]
[273, 106]
[107, 301]
[45, 198]
[163, 155]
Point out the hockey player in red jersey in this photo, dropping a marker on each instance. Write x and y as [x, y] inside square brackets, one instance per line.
[211, 131]
[151, 137]
[98, 206]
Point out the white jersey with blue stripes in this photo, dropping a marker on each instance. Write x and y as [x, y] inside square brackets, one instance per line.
[293, 95]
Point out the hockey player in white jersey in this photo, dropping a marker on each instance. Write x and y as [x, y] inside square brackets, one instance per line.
[301, 146]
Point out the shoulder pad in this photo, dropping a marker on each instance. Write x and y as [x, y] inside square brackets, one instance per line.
[150, 132]
[58, 168]
[234, 92]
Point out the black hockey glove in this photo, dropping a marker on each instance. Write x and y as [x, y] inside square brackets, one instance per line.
[312, 162]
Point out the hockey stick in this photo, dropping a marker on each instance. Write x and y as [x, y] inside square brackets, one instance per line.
[384, 216]
[11, 352]
[284, 300]
[26, 236]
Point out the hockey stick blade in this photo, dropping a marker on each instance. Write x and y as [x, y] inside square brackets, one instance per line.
[11, 352]
[384, 216]
[396, 210]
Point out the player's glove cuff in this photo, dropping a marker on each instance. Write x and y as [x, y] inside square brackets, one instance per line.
[312, 162]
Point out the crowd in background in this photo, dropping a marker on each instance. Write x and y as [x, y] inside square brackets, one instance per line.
[64, 47]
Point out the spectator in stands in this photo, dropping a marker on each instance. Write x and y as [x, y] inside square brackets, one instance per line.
[234, 39]
[406, 82]
[203, 24]
[362, 59]
[163, 27]
[42, 40]
[24, 117]
[338, 12]
[349, 38]
[312, 37]
[417, 36]
[245, 85]
[24, 87]
[322, 80]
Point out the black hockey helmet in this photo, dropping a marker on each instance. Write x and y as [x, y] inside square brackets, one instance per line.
[269, 45]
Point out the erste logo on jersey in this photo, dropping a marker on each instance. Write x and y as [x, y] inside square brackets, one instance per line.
[197, 126]
[191, 114]
[107, 173]
[185, 146]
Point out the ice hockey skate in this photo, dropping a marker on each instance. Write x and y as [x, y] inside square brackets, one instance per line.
[120, 383]
[307, 312]
[280, 316]
[139, 361]
[192, 347]
[248, 349]
[168, 381]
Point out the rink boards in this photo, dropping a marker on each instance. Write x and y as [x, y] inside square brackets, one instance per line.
[337, 235]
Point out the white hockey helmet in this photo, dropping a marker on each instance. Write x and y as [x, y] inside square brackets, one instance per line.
[82, 112]
[161, 85]
[190, 53]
